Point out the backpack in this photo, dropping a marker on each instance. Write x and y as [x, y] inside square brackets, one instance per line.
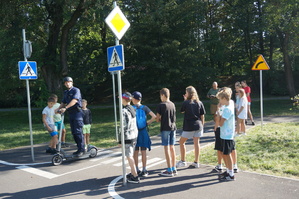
[140, 117]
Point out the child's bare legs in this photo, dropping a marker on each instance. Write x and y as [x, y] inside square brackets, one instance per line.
[143, 158]
[196, 149]
[228, 160]
[219, 157]
[172, 156]
[183, 148]
[238, 126]
[132, 166]
[136, 153]
[250, 114]
[234, 156]
[63, 135]
[87, 138]
[242, 125]
[53, 142]
[167, 155]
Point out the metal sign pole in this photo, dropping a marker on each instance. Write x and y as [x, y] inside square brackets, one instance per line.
[28, 100]
[261, 93]
[114, 103]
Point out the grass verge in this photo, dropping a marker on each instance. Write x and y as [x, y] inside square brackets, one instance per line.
[273, 150]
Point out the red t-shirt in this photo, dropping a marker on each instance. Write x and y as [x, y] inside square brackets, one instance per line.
[248, 90]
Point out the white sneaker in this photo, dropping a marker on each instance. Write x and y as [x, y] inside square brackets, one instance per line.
[236, 170]
[181, 164]
[194, 165]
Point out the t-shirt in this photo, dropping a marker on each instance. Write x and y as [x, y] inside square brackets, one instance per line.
[192, 112]
[87, 119]
[248, 90]
[167, 111]
[213, 92]
[242, 103]
[227, 130]
[50, 114]
[57, 117]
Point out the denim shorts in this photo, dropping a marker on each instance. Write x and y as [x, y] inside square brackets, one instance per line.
[168, 138]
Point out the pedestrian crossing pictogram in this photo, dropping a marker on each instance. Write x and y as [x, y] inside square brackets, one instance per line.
[27, 70]
[115, 56]
[115, 60]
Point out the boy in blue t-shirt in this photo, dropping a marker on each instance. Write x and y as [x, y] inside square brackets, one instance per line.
[227, 130]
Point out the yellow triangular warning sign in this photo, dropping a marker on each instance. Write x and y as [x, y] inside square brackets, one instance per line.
[260, 64]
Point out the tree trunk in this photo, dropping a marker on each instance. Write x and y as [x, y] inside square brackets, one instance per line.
[284, 40]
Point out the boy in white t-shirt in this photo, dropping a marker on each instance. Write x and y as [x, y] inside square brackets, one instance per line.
[227, 129]
[48, 121]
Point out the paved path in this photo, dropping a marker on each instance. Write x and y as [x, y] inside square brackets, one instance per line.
[94, 177]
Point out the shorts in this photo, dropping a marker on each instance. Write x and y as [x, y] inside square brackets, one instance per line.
[54, 130]
[140, 147]
[58, 125]
[213, 108]
[227, 146]
[217, 140]
[168, 138]
[86, 128]
[191, 134]
[129, 149]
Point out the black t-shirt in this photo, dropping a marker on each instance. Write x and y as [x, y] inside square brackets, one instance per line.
[192, 111]
[168, 116]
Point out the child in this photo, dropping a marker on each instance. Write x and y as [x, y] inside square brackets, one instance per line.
[241, 112]
[166, 114]
[227, 128]
[247, 92]
[58, 122]
[218, 167]
[143, 139]
[193, 110]
[130, 133]
[87, 119]
[48, 121]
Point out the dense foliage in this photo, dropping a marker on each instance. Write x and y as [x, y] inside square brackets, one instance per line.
[171, 43]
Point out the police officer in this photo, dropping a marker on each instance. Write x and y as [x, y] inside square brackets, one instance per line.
[71, 103]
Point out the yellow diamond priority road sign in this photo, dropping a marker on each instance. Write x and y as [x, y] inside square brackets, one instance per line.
[117, 22]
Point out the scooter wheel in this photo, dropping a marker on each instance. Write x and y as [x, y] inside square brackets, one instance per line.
[93, 152]
[57, 159]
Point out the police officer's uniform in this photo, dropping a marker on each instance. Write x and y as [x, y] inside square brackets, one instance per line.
[75, 116]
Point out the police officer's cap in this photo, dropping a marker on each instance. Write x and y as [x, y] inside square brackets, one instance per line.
[67, 79]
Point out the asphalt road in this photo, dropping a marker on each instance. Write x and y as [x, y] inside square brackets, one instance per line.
[100, 177]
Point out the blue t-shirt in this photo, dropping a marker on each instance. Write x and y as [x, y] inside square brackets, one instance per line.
[69, 95]
[227, 130]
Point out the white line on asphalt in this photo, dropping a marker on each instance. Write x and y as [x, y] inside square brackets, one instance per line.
[111, 189]
[38, 172]
[29, 164]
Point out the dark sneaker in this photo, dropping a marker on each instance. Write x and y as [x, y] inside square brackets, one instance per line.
[221, 175]
[218, 168]
[245, 122]
[144, 173]
[129, 175]
[133, 179]
[64, 145]
[139, 173]
[53, 151]
[78, 153]
[253, 123]
[48, 150]
[175, 172]
[227, 177]
[166, 173]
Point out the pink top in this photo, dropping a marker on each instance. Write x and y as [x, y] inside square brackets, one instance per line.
[247, 90]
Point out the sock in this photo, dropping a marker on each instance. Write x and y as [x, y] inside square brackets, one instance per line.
[169, 170]
[235, 166]
[137, 169]
[231, 172]
[144, 169]
[219, 165]
[173, 168]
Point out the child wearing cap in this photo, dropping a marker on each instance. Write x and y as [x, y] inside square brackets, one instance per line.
[143, 139]
[48, 121]
[130, 134]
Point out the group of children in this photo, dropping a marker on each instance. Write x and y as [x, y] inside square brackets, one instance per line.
[53, 123]
[139, 140]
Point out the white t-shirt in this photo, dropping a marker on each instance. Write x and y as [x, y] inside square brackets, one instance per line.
[227, 130]
[50, 115]
[243, 103]
[57, 117]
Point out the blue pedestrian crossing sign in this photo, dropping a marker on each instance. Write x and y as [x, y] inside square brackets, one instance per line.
[27, 70]
[116, 59]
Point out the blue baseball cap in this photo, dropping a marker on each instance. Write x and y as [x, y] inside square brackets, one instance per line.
[137, 95]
